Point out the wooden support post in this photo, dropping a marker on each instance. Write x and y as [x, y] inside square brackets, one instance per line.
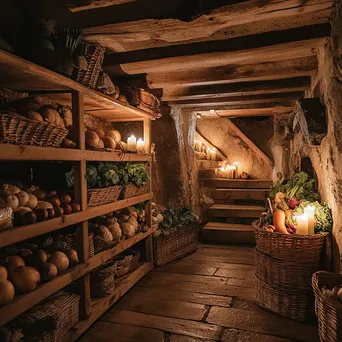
[80, 171]
[149, 249]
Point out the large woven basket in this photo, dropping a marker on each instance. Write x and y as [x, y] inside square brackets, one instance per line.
[286, 275]
[16, 129]
[328, 311]
[102, 279]
[124, 264]
[63, 307]
[292, 247]
[175, 245]
[297, 305]
[131, 190]
[103, 195]
[94, 55]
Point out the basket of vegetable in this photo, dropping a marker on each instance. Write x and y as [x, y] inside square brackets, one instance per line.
[103, 183]
[136, 178]
[176, 235]
[328, 303]
[19, 130]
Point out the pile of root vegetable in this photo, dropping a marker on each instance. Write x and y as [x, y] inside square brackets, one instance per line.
[288, 199]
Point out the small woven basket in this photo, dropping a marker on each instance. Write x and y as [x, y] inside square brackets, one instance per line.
[100, 244]
[15, 129]
[286, 275]
[296, 304]
[175, 245]
[135, 260]
[290, 247]
[94, 55]
[123, 264]
[63, 307]
[103, 195]
[69, 242]
[131, 190]
[102, 279]
[328, 311]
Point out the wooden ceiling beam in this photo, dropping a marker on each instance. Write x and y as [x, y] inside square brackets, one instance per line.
[270, 46]
[247, 112]
[236, 73]
[217, 22]
[239, 100]
[237, 89]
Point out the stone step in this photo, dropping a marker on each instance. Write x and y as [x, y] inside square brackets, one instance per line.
[230, 210]
[217, 232]
[237, 183]
[207, 173]
[209, 164]
[241, 194]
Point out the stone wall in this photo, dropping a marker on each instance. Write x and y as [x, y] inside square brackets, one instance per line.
[326, 158]
[217, 131]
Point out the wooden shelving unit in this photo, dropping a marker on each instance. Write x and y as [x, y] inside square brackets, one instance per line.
[21, 75]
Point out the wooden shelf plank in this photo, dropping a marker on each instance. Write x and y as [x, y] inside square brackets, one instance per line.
[22, 75]
[23, 152]
[10, 236]
[26, 301]
[100, 306]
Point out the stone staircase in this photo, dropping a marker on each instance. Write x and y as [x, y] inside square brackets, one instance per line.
[237, 204]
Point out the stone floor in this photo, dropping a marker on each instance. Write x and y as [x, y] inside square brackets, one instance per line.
[207, 296]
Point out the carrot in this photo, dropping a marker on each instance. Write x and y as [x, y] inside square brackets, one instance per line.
[279, 222]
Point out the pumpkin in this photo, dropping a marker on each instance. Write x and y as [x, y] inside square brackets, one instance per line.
[109, 142]
[114, 134]
[91, 138]
[100, 144]
[99, 132]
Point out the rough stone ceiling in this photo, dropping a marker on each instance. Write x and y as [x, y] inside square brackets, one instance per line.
[241, 58]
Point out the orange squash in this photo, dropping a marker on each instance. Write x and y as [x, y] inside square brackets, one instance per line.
[279, 222]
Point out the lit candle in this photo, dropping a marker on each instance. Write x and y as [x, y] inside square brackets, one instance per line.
[140, 145]
[302, 224]
[230, 171]
[222, 172]
[213, 154]
[198, 145]
[236, 164]
[208, 153]
[132, 144]
[309, 211]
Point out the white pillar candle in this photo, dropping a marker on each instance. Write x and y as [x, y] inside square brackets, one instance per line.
[302, 224]
[309, 211]
[198, 145]
[132, 144]
[230, 171]
[213, 154]
[140, 145]
[208, 153]
[236, 164]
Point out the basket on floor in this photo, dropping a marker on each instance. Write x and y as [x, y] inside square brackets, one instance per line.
[290, 247]
[131, 190]
[102, 279]
[294, 304]
[284, 274]
[94, 55]
[328, 311]
[103, 195]
[175, 245]
[16, 129]
[62, 308]
[123, 264]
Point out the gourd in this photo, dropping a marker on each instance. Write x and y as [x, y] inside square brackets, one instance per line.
[23, 198]
[100, 144]
[115, 229]
[32, 201]
[114, 134]
[109, 142]
[104, 232]
[279, 221]
[91, 138]
[13, 201]
[100, 132]
[44, 205]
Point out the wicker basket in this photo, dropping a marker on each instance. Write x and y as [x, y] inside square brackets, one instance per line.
[62, 307]
[100, 244]
[292, 247]
[69, 242]
[131, 190]
[124, 264]
[94, 55]
[104, 195]
[329, 312]
[15, 129]
[297, 305]
[286, 275]
[177, 244]
[135, 260]
[102, 279]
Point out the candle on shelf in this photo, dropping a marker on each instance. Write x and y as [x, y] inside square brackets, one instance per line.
[222, 172]
[309, 211]
[302, 224]
[140, 145]
[132, 144]
[236, 174]
[213, 154]
[198, 145]
[230, 171]
[208, 153]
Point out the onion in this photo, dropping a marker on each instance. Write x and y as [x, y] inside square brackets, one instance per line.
[23, 198]
[13, 201]
[32, 201]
